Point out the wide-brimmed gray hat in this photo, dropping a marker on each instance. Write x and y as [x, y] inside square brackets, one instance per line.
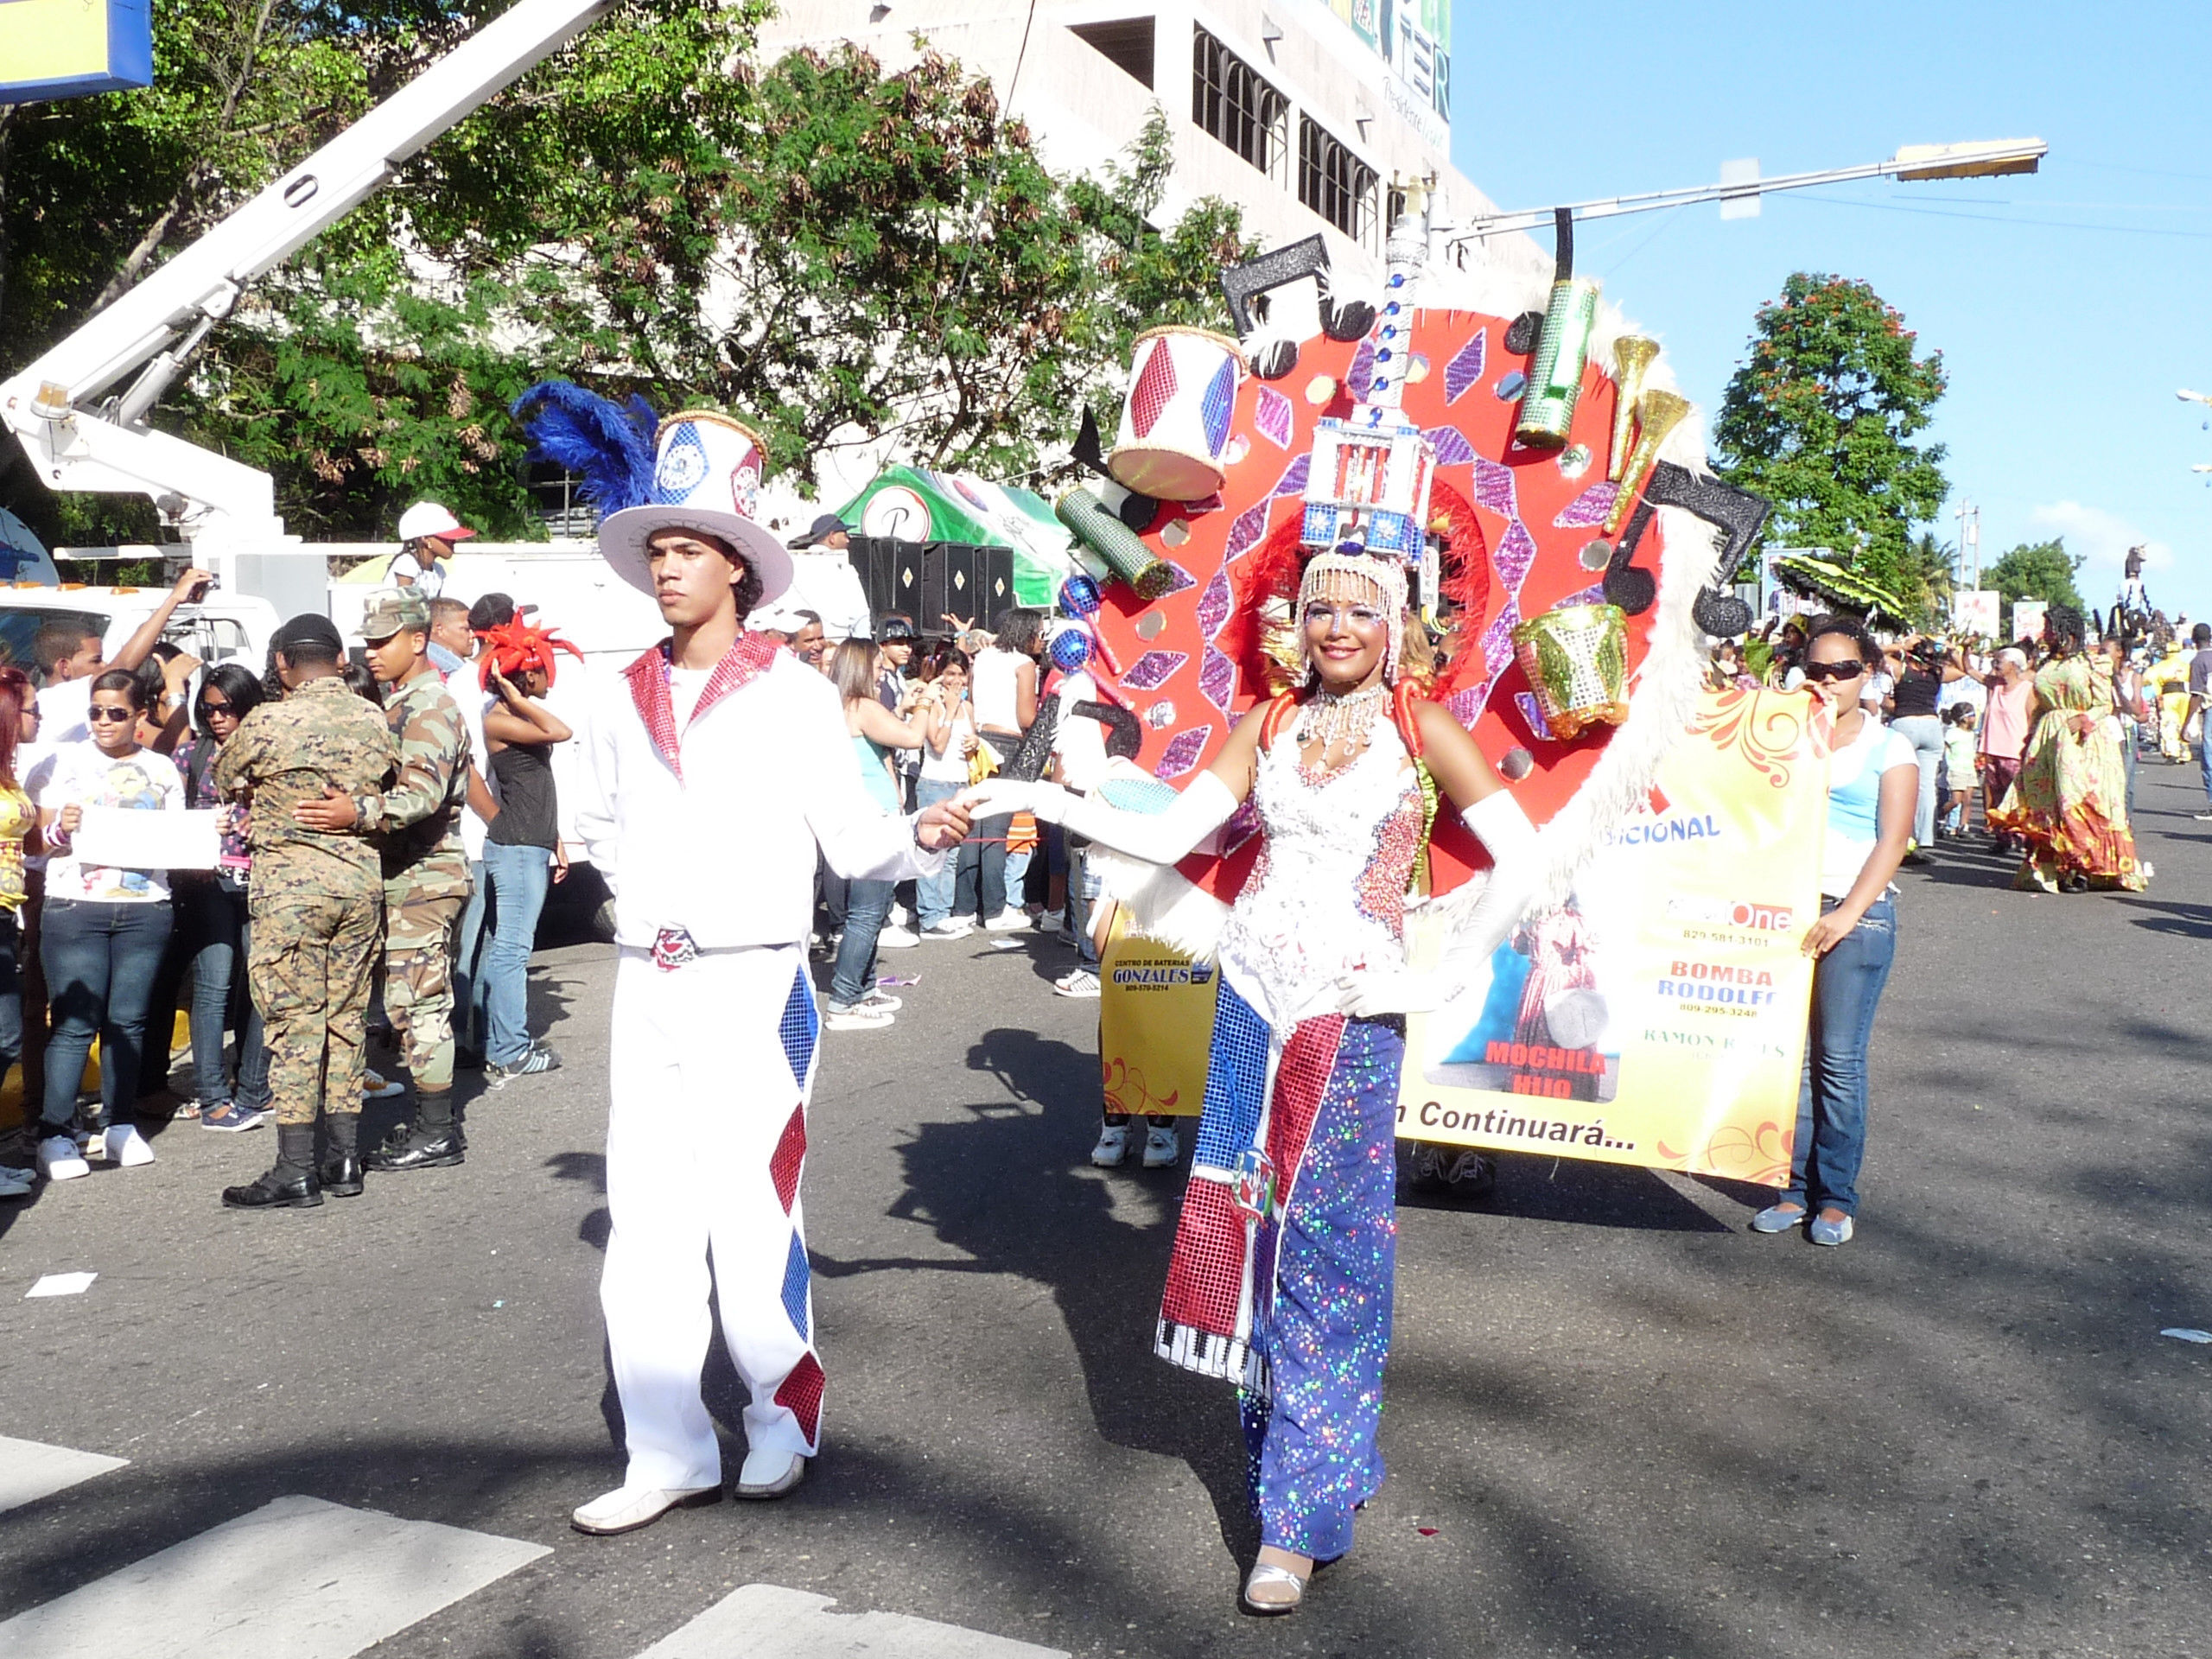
[707, 471]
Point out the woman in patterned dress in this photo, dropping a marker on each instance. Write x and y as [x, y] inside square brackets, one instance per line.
[1283, 1267]
[2069, 803]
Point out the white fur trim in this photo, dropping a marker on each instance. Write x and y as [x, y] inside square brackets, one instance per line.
[1160, 903]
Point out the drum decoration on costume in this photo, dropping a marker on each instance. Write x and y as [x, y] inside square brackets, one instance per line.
[1175, 418]
[1121, 547]
[1575, 659]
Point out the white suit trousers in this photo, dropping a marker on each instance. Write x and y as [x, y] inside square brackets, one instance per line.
[712, 1065]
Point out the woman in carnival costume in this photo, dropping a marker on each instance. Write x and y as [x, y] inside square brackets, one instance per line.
[2069, 802]
[1282, 1280]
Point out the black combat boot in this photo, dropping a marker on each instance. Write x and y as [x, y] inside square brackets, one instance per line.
[291, 1184]
[340, 1174]
[431, 1142]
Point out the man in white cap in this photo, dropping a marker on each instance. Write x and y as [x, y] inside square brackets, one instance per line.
[426, 534]
[717, 764]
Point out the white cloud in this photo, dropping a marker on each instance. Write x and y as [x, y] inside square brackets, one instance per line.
[2102, 538]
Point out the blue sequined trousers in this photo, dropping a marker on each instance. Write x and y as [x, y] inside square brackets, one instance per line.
[1312, 1454]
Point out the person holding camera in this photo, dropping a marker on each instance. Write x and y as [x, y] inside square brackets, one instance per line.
[1920, 668]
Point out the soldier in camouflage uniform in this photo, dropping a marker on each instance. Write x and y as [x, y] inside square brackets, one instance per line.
[316, 901]
[416, 822]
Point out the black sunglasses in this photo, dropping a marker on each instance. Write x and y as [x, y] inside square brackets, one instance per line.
[111, 714]
[1834, 670]
[213, 706]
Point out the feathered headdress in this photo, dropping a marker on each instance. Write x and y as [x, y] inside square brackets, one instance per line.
[515, 646]
[608, 445]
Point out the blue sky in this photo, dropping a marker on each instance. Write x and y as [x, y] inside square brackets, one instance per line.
[2069, 305]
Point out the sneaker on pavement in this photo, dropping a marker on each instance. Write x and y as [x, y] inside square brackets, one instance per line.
[896, 938]
[538, 1057]
[1822, 1230]
[947, 930]
[1053, 921]
[376, 1086]
[128, 1148]
[232, 1118]
[16, 1183]
[1077, 982]
[1777, 1218]
[1113, 1146]
[1009, 920]
[60, 1161]
[857, 1016]
[882, 1000]
[1161, 1148]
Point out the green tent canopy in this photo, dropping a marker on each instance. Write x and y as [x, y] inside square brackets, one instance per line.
[916, 505]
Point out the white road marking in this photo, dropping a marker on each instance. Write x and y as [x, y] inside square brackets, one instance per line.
[766, 1621]
[298, 1579]
[29, 1470]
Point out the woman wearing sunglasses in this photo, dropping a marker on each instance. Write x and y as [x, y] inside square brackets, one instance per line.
[103, 929]
[211, 914]
[1873, 786]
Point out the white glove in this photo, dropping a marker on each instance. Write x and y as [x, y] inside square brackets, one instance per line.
[1162, 837]
[997, 797]
[1395, 991]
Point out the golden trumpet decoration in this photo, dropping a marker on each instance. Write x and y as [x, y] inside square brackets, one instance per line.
[1657, 414]
[1633, 356]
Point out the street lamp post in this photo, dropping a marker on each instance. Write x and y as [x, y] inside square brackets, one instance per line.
[1912, 163]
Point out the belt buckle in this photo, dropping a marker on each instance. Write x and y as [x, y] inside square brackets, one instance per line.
[672, 948]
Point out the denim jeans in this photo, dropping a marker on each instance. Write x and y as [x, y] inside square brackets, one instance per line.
[2204, 754]
[216, 935]
[867, 903]
[468, 1016]
[933, 893]
[2129, 736]
[11, 991]
[980, 883]
[519, 876]
[100, 961]
[1925, 734]
[1832, 1101]
[1083, 893]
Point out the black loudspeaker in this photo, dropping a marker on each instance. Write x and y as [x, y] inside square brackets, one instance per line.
[870, 558]
[905, 580]
[993, 578]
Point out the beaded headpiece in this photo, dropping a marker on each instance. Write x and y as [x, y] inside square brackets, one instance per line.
[1340, 576]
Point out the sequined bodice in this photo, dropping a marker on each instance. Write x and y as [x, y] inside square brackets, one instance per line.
[1328, 895]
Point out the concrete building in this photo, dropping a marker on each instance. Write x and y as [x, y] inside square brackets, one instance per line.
[1305, 113]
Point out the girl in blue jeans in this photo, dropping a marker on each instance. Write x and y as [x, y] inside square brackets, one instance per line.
[522, 845]
[1873, 787]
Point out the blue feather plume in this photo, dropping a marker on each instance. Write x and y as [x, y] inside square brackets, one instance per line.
[608, 445]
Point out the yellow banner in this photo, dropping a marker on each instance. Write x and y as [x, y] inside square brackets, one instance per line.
[1659, 1017]
[1155, 1026]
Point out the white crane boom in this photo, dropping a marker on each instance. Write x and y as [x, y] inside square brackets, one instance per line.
[76, 443]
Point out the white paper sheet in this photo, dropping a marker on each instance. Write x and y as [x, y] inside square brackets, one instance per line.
[61, 1284]
[128, 838]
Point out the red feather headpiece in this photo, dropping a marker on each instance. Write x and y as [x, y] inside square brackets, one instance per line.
[517, 647]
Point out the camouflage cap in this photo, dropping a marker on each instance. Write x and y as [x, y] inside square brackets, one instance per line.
[396, 612]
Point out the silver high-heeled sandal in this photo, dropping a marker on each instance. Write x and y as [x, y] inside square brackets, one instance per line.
[1287, 1588]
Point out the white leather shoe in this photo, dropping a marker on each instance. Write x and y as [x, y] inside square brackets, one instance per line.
[627, 1507]
[128, 1148]
[770, 1474]
[60, 1159]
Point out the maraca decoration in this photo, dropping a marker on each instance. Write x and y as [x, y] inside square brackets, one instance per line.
[1080, 598]
[1071, 652]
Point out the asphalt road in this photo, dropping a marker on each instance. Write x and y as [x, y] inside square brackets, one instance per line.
[1619, 1424]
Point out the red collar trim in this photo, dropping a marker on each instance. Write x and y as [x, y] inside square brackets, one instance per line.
[744, 662]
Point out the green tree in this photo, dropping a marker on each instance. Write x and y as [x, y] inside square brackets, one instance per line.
[1822, 420]
[830, 253]
[2041, 571]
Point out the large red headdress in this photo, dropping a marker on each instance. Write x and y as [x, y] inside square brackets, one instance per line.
[517, 647]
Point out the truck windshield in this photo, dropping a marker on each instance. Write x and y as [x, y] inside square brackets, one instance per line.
[19, 625]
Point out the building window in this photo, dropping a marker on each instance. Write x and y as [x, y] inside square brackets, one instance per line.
[1231, 103]
[1127, 43]
[1337, 184]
